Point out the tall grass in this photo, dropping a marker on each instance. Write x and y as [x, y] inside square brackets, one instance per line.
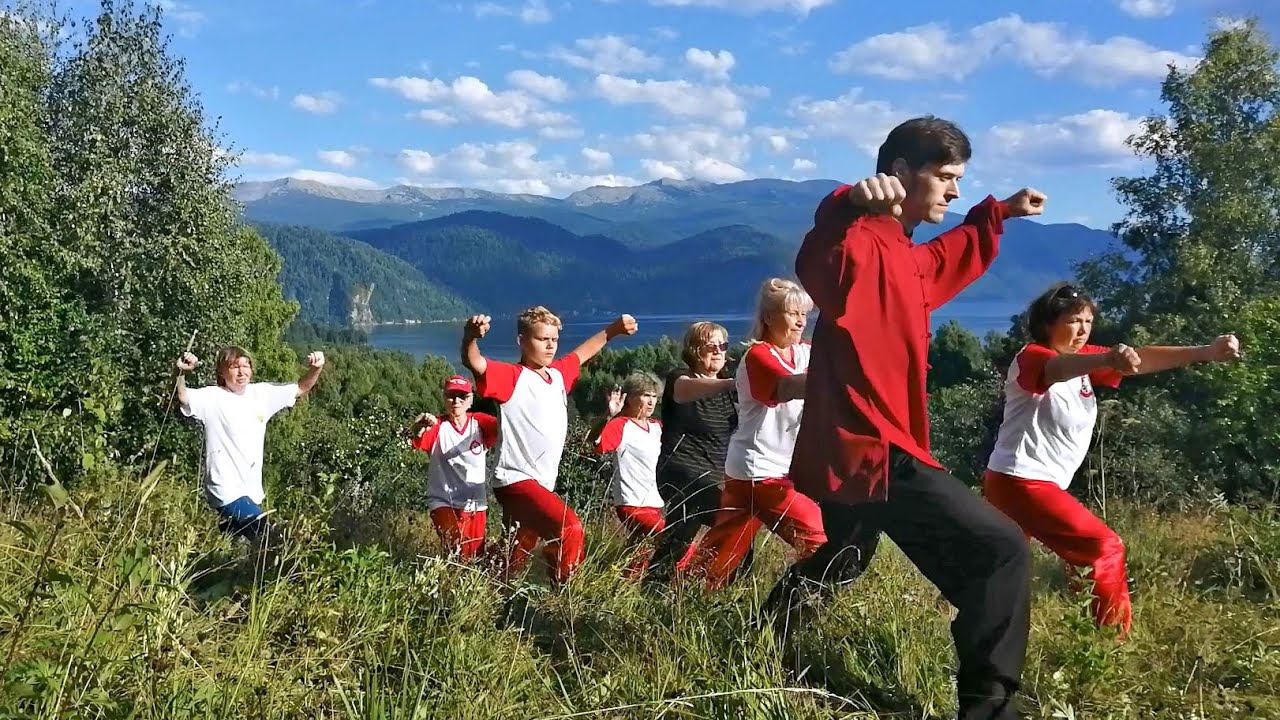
[140, 609]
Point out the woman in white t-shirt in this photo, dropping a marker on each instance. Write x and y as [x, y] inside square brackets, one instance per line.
[458, 443]
[636, 438]
[1049, 415]
[234, 413]
[758, 491]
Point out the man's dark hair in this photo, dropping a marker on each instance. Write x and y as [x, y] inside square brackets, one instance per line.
[924, 141]
[1060, 299]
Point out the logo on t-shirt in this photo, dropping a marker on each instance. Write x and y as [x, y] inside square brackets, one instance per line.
[1085, 391]
[476, 447]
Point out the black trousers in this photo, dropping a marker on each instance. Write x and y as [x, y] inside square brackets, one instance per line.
[691, 504]
[977, 557]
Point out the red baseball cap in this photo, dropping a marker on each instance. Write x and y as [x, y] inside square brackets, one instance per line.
[457, 383]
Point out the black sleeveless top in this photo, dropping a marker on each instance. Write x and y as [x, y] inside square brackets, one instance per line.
[695, 435]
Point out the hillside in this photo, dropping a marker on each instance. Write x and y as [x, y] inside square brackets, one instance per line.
[337, 280]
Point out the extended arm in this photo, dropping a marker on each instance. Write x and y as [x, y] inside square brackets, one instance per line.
[688, 389]
[472, 358]
[624, 325]
[315, 363]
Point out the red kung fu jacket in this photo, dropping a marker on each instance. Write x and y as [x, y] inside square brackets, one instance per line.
[874, 290]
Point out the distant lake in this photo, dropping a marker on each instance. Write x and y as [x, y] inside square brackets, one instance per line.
[442, 339]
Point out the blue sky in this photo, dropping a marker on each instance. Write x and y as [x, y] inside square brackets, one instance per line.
[549, 97]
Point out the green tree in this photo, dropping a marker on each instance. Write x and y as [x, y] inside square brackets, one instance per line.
[1201, 251]
[955, 355]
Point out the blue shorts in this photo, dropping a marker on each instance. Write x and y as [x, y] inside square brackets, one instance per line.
[240, 517]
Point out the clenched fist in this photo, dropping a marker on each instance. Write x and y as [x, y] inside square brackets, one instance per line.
[1124, 358]
[315, 360]
[187, 362]
[624, 325]
[1225, 348]
[1026, 202]
[881, 195]
[477, 326]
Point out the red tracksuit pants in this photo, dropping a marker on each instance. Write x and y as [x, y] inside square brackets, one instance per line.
[641, 524]
[461, 532]
[1051, 515]
[745, 507]
[535, 513]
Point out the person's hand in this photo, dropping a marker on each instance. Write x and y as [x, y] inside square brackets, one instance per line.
[476, 327]
[880, 195]
[187, 362]
[315, 360]
[426, 420]
[1225, 348]
[1124, 358]
[1026, 202]
[615, 400]
[624, 325]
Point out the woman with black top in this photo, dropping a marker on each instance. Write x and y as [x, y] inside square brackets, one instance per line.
[698, 418]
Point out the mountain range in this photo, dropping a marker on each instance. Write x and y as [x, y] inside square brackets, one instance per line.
[408, 253]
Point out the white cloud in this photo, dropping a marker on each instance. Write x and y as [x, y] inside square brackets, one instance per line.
[1147, 8]
[247, 88]
[778, 143]
[546, 86]
[750, 6]
[470, 97]
[597, 159]
[1092, 139]
[849, 117]
[512, 166]
[678, 98]
[803, 166]
[606, 54]
[337, 179]
[187, 19]
[344, 159]
[532, 11]
[319, 104]
[266, 160]
[715, 65]
[702, 153]
[663, 33]
[1049, 49]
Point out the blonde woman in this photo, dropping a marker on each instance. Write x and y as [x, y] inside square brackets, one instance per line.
[757, 489]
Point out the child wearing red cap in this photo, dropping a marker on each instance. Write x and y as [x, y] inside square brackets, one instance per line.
[534, 396]
[458, 442]
[631, 432]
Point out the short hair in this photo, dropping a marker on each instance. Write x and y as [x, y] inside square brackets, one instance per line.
[1062, 298]
[778, 295]
[226, 358]
[924, 141]
[639, 383]
[699, 334]
[536, 315]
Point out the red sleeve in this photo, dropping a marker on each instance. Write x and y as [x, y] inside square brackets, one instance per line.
[954, 259]
[1031, 362]
[498, 381]
[611, 436]
[488, 428]
[1102, 377]
[427, 440]
[764, 370]
[569, 366]
[826, 259]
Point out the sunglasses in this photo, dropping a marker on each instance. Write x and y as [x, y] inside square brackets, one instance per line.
[1067, 292]
[716, 347]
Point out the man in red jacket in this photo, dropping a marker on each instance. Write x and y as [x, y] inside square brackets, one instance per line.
[863, 445]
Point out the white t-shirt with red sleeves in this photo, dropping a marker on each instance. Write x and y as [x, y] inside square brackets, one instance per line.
[534, 418]
[761, 445]
[1047, 428]
[235, 427]
[635, 473]
[455, 478]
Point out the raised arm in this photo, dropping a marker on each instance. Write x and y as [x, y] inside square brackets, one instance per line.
[613, 405]
[690, 388]
[315, 363]
[1065, 366]
[1155, 358]
[624, 325]
[185, 364]
[476, 327]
